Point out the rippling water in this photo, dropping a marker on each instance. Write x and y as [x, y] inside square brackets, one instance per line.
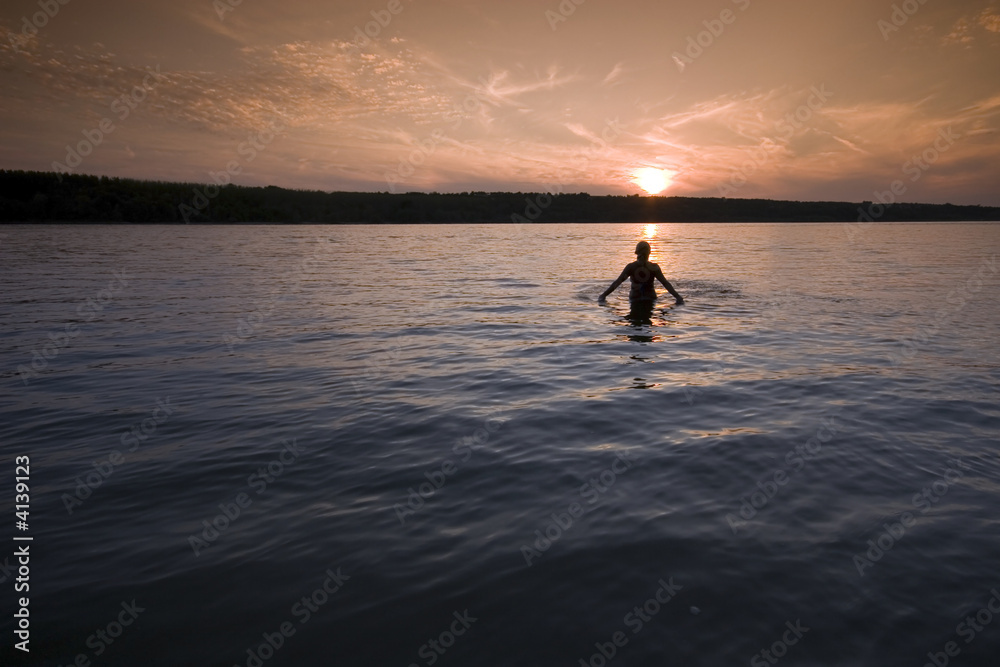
[420, 445]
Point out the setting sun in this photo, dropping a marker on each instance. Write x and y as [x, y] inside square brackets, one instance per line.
[652, 180]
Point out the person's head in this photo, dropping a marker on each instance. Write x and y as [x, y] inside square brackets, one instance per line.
[642, 250]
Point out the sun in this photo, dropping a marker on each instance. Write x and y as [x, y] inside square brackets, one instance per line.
[652, 180]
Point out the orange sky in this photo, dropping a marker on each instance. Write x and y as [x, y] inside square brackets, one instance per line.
[788, 99]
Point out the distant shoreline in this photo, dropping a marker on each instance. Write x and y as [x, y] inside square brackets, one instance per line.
[48, 197]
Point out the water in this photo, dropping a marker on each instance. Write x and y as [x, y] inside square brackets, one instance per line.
[442, 426]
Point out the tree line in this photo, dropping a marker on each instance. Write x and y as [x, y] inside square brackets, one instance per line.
[31, 196]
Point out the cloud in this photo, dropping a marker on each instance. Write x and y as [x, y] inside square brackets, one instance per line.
[615, 75]
[990, 20]
[961, 33]
[966, 31]
[773, 143]
[304, 84]
[437, 117]
[502, 87]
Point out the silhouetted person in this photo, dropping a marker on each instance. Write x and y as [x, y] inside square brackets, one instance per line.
[642, 272]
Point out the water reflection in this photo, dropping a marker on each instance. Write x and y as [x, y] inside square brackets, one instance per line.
[641, 312]
[642, 320]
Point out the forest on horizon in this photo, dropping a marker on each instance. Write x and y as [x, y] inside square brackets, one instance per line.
[27, 196]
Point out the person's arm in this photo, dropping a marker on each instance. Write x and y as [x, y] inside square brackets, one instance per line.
[670, 288]
[618, 281]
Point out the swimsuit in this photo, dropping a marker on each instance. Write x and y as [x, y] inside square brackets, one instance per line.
[642, 284]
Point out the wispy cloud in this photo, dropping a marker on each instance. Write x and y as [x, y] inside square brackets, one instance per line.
[440, 111]
[615, 75]
[972, 28]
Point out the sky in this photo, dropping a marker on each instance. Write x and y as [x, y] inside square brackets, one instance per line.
[785, 99]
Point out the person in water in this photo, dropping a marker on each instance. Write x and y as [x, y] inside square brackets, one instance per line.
[642, 272]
